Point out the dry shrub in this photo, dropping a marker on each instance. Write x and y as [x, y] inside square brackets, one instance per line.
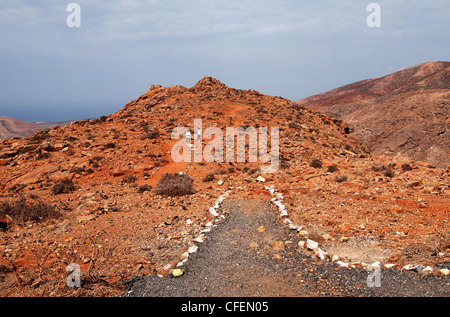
[209, 178]
[129, 178]
[316, 163]
[63, 187]
[144, 188]
[341, 178]
[406, 167]
[332, 168]
[389, 173]
[174, 185]
[21, 211]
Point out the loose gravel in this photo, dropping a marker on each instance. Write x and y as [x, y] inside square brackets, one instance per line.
[251, 253]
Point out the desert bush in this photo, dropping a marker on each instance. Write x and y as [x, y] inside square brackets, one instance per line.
[43, 156]
[209, 178]
[332, 168]
[144, 188]
[129, 178]
[150, 135]
[41, 135]
[21, 211]
[379, 168]
[293, 125]
[63, 187]
[174, 185]
[406, 167]
[389, 173]
[341, 178]
[221, 172]
[316, 163]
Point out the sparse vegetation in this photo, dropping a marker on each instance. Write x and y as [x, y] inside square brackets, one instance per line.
[150, 135]
[379, 168]
[43, 155]
[144, 188]
[341, 178]
[21, 211]
[209, 178]
[332, 169]
[41, 135]
[129, 178]
[389, 173]
[406, 167]
[63, 187]
[316, 163]
[175, 185]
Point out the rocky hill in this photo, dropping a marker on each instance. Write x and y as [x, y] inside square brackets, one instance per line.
[402, 113]
[91, 193]
[15, 128]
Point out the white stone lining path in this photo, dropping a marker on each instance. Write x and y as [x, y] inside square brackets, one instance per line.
[323, 255]
[308, 244]
[192, 247]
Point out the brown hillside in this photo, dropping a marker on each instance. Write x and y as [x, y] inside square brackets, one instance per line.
[15, 128]
[101, 177]
[402, 113]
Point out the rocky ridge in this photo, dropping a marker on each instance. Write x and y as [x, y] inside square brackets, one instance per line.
[405, 113]
[115, 227]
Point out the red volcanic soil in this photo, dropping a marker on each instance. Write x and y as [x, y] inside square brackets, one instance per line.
[115, 228]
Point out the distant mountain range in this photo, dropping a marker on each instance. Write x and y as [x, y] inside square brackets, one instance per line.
[15, 128]
[405, 113]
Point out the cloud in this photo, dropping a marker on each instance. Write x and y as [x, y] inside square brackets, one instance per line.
[287, 48]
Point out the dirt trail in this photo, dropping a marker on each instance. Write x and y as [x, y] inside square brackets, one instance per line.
[252, 254]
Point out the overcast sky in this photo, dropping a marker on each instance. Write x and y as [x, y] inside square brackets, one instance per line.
[288, 48]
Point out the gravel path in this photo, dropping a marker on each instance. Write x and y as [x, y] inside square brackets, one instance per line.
[252, 254]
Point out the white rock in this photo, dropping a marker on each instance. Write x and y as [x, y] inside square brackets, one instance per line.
[185, 255]
[407, 267]
[193, 249]
[199, 239]
[444, 271]
[301, 244]
[213, 212]
[292, 226]
[389, 265]
[321, 254]
[189, 222]
[311, 244]
[342, 264]
[261, 179]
